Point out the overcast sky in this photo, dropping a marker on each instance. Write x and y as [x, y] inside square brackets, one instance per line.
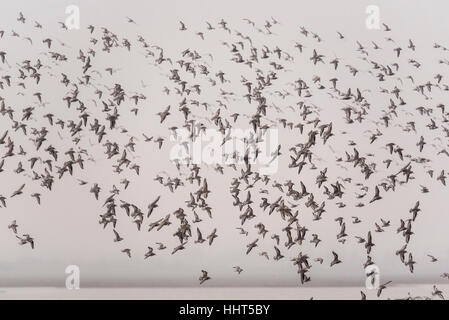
[66, 224]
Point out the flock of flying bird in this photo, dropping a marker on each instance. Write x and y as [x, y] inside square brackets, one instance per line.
[251, 94]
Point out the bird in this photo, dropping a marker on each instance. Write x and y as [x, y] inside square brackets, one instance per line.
[200, 236]
[410, 263]
[278, 255]
[117, 236]
[382, 287]
[17, 192]
[437, 292]
[149, 253]
[204, 276]
[376, 195]
[37, 196]
[415, 210]
[442, 177]
[26, 239]
[13, 226]
[212, 236]
[363, 295]
[178, 248]
[127, 251]
[3, 201]
[335, 260]
[401, 253]
[369, 243]
[251, 245]
[238, 269]
[161, 246]
[96, 190]
[164, 114]
[153, 205]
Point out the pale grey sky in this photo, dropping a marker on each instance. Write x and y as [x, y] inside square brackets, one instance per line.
[66, 224]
